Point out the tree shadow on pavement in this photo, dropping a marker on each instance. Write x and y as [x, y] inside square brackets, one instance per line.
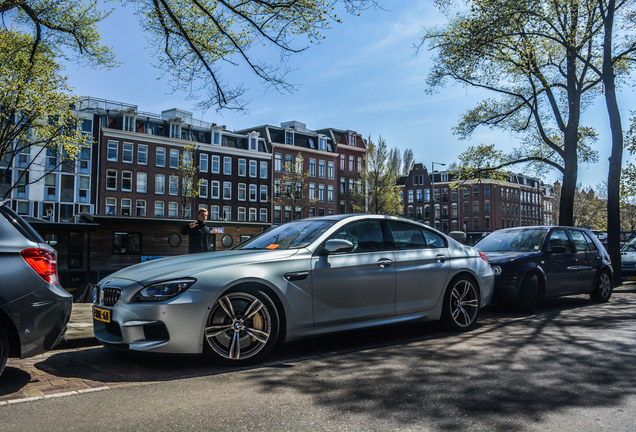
[501, 376]
[512, 369]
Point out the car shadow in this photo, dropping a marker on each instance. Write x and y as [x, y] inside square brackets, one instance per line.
[512, 368]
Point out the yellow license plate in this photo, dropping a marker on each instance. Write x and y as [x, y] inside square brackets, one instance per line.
[631, 278]
[101, 314]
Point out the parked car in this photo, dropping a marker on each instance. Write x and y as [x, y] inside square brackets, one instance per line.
[601, 235]
[531, 263]
[305, 278]
[628, 261]
[34, 308]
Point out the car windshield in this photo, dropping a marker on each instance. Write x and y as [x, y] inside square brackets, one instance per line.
[526, 240]
[292, 235]
[631, 246]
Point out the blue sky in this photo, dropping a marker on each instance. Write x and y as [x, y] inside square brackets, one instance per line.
[365, 76]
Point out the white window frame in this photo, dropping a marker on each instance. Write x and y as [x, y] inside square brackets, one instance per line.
[142, 149]
[127, 152]
[215, 189]
[203, 163]
[112, 145]
[111, 202]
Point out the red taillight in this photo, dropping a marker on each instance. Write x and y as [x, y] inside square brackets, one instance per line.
[43, 261]
[481, 254]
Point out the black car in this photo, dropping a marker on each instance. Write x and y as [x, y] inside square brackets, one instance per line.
[34, 308]
[531, 263]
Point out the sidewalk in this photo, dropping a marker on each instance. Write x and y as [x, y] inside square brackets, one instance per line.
[80, 328]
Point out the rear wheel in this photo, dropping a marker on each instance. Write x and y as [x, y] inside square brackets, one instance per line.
[603, 289]
[4, 349]
[461, 304]
[528, 294]
[242, 327]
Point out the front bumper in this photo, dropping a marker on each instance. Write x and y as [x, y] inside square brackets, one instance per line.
[174, 326]
[506, 290]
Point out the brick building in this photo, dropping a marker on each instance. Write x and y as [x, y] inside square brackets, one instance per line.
[475, 208]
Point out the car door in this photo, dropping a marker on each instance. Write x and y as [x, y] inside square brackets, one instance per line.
[422, 265]
[588, 263]
[358, 284]
[561, 264]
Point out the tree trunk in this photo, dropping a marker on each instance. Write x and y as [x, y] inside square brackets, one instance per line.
[616, 159]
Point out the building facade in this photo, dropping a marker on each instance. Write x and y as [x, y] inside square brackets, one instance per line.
[474, 207]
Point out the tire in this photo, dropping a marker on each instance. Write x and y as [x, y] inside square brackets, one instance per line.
[528, 294]
[4, 349]
[603, 289]
[461, 304]
[242, 328]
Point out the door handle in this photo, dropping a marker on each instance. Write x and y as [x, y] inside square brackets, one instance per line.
[384, 262]
[440, 258]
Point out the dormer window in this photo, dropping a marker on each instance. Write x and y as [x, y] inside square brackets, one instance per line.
[129, 123]
[312, 143]
[322, 144]
[253, 144]
[175, 130]
[216, 138]
[289, 138]
[352, 140]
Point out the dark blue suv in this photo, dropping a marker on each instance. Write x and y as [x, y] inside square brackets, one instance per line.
[531, 263]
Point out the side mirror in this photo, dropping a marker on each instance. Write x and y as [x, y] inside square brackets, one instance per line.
[338, 245]
[557, 249]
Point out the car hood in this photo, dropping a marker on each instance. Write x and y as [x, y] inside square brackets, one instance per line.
[190, 265]
[506, 256]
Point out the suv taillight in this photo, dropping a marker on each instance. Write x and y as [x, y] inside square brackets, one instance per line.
[43, 261]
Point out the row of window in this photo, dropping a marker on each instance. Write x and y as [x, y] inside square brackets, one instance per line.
[514, 194]
[317, 168]
[215, 212]
[206, 187]
[207, 163]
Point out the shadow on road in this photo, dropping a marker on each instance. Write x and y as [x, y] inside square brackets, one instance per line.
[512, 369]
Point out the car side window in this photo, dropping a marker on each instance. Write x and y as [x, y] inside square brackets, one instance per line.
[433, 240]
[406, 236]
[580, 243]
[559, 238]
[590, 243]
[366, 236]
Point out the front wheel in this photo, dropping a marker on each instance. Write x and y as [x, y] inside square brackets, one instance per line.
[461, 304]
[242, 327]
[603, 289]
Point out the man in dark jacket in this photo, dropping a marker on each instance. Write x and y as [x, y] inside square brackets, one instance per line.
[198, 233]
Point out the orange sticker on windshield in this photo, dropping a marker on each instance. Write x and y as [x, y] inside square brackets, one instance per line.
[272, 246]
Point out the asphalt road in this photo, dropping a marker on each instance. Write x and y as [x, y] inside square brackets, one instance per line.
[569, 367]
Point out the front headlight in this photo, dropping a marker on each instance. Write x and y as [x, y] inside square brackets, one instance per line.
[496, 270]
[164, 290]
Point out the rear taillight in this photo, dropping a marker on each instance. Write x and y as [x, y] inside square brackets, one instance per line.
[481, 254]
[43, 261]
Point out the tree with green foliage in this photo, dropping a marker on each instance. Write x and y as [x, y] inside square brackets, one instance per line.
[36, 114]
[291, 189]
[534, 56]
[188, 172]
[379, 192]
[192, 40]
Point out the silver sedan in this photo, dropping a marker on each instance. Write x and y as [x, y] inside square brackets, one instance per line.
[301, 279]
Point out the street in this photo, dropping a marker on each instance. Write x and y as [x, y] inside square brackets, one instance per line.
[569, 367]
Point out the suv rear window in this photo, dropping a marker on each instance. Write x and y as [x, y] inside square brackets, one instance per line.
[18, 223]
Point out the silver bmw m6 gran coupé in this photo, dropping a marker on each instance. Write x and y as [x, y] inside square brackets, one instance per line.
[301, 279]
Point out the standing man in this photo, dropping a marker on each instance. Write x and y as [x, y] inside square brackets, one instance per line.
[198, 233]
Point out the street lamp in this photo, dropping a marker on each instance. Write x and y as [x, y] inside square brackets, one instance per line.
[433, 186]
